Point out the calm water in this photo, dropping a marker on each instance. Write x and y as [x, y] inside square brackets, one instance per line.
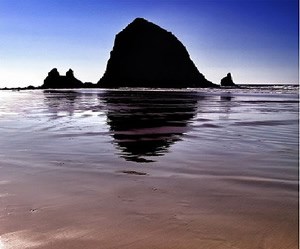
[240, 133]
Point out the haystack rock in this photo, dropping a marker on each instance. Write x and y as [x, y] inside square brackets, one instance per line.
[54, 80]
[145, 55]
[227, 81]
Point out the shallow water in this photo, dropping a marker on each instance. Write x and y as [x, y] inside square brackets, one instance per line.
[154, 127]
[240, 142]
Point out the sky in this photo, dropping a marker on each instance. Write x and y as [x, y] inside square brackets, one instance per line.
[256, 40]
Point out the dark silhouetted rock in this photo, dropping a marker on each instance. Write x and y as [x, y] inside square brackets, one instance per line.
[30, 87]
[227, 81]
[70, 74]
[54, 80]
[89, 85]
[145, 55]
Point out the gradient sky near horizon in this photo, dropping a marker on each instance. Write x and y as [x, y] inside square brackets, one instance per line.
[255, 40]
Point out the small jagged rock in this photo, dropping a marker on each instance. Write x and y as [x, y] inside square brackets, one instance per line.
[227, 81]
[70, 74]
[55, 80]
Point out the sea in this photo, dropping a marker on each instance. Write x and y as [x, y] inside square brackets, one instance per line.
[243, 140]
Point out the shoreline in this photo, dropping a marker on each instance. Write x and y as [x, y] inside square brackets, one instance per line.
[238, 86]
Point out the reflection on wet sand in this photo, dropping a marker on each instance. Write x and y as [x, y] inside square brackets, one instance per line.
[58, 102]
[142, 124]
[146, 124]
[226, 104]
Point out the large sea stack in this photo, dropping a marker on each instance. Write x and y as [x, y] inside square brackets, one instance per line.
[145, 55]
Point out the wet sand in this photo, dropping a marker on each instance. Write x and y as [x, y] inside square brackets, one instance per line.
[183, 195]
[59, 209]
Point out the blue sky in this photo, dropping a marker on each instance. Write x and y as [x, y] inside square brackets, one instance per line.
[255, 40]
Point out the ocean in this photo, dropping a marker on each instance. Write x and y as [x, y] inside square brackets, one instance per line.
[167, 168]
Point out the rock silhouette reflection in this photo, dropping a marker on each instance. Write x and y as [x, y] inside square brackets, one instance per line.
[146, 124]
[60, 101]
[143, 124]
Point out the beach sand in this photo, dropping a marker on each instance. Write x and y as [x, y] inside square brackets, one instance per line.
[62, 209]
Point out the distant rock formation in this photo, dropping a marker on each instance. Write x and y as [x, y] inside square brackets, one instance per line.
[54, 80]
[227, 81]
[145, 55]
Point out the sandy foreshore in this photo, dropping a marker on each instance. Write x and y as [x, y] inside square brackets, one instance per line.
[65, 209]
